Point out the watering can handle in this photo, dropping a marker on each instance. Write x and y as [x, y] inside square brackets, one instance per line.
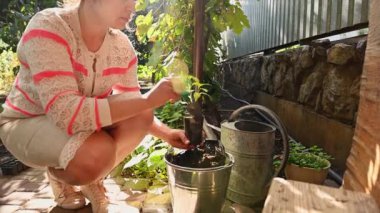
[277, 121]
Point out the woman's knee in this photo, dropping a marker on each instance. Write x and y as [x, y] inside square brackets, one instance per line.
[93, 160]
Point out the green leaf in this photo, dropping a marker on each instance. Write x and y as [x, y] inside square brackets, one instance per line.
[143, 24]
[157, 50]
[135, 160]
[140, 184]
[141, 5]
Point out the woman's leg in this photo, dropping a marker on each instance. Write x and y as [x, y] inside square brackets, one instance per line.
[102, 150]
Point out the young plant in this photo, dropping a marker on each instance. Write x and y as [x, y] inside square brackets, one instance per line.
[312, 157]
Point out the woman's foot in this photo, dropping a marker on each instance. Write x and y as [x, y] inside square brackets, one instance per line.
[66, 195]
[100, 203]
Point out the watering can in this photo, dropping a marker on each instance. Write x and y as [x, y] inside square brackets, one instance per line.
[252, 145]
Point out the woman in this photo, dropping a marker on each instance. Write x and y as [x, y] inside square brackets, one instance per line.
[60, 113]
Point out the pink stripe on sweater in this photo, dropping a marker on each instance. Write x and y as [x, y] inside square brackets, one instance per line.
[23, 63]
[49, 74]
[119, 70]
[132, 62]
[7, 102]
[79, 67]
[115, 70]
[97, 117]
[48, 105]
[37, 33]
[122, 88]
[70, 127]
[23, 92]
[107, 93]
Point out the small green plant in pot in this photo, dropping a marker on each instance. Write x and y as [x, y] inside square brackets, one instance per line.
[307, 164]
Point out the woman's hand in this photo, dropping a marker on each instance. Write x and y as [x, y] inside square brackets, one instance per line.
[161, 93]
[177, 138]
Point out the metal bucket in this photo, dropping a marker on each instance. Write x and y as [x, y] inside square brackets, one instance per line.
[198, 189]
[252, 145]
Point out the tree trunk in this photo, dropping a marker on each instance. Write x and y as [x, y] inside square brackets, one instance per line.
[363, 164]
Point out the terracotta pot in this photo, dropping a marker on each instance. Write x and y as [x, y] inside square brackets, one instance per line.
[310, 175]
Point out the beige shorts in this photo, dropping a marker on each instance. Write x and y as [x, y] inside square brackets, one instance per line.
[37, 142]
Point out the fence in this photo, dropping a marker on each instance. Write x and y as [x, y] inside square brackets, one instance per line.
[277, 23]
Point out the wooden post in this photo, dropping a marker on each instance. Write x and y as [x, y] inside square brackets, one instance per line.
[363, 164]
[199, 46]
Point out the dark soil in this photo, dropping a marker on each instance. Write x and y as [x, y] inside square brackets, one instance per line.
[206, 155]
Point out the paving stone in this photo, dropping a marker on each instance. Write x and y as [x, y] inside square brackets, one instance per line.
[41, 178]
[30, 211]
[57, 209]
[137, 196]
[118, 196]
[126, 207]
[112, 187]
[16, 198]
[33, 172]
[46, 192]
[8, 208]
[39, 204]
[11, 186]
[31, 187]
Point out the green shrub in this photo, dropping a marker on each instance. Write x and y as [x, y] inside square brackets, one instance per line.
[8, 67]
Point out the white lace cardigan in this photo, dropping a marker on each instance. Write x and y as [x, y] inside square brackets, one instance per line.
[60, 78]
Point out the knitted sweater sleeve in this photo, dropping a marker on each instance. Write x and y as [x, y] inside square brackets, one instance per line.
[46, 47]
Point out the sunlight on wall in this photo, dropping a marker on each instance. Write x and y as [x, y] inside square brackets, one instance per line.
[373, 171]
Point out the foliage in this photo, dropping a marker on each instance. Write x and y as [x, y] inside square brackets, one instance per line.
[8, 68]
[145, 165]
[16, 15]
[312, 157]
[173, 30]
[172, 114]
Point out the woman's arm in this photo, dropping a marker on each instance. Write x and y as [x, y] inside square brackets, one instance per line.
[174, 137]
[123, 107]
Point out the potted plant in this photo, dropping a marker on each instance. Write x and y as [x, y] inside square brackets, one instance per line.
[307, 164]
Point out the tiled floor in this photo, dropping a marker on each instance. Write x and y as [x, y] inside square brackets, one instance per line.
[29, 192]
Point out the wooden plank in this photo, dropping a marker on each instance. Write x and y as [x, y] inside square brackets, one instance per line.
[363, 164]
[296, 197]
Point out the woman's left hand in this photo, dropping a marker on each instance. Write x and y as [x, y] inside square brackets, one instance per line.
[177, 138]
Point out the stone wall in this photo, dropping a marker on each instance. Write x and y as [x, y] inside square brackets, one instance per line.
[313, 89]
[324, 77]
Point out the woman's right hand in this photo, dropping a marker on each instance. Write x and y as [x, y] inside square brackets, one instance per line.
[161, 93]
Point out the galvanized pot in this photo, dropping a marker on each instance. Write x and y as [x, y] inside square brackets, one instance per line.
[198, 189]
[252, 145]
